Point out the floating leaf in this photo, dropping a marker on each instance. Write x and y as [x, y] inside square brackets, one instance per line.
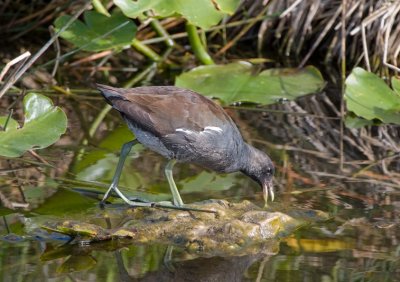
[237, 82]
[65, 202]
[319, 245]
[368, 96]
[6, 211]
[44, 124]
[90, 36]
[203, 13]
[77, 263]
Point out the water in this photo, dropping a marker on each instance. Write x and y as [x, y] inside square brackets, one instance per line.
[358, 243]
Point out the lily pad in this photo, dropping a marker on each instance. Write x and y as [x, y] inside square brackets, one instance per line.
[369, 97]
[396, 84]
[353, 121]
[203, 13]
[91, 35]
[44, 124]
[238, 82]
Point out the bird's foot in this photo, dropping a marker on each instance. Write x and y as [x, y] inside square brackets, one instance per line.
[138, 202]
[170, 205]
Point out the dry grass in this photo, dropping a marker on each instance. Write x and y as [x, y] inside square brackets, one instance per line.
[305, 28]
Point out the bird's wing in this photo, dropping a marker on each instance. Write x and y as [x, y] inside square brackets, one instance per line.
[166, 110]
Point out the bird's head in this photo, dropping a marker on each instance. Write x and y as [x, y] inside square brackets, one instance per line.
[260, 168]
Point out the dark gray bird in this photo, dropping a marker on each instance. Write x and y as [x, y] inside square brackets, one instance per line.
[185, 126]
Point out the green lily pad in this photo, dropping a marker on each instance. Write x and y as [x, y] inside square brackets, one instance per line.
[396, 84]
[352, 121]
[90, 35]
[44, 124]
[369, 97]
[237, 82]
[12, 124]
[203, 13]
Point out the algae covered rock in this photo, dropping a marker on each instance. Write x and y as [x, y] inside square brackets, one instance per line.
[234, 229]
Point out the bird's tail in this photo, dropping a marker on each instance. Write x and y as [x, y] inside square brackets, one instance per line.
[110, 92]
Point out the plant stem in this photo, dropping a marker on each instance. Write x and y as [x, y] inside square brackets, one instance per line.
[198, 48]
[156, 25]
[147, 51]
[99, 7]
[99, 119]
[133, 81]
[8, 119]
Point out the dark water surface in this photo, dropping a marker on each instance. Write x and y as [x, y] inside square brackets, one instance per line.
[360, 242]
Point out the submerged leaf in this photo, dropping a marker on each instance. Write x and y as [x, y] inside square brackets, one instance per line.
[207, 182]
[90, 36]
[64, 202]
[44, 124]
[77, 263]
[237, 82]
[368, 96]
[203, 13]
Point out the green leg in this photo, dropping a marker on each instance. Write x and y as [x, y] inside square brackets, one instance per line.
[175, 193]
[126, 148]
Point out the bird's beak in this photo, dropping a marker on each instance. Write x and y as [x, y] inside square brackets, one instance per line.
[268, 190]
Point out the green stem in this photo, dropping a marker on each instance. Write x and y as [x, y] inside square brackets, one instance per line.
[98, 6]
[99, 119]
[8, 119]
[147, 51]
[198, 48]
[133, 81]
[157, 26]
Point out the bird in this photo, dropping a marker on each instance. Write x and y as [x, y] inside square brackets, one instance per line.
[186, 127]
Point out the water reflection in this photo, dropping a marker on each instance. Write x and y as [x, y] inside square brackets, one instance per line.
[360, 242]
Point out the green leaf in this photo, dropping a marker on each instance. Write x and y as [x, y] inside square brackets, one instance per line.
[237, 82]
[77, 263]
[90, 35]
[352, 121]
[12, 124]
[203, 13]
[44, 124]
[65, 202]
[6, 211]
[111, 143]
[368, 96]
[396, 84]
[207, 182]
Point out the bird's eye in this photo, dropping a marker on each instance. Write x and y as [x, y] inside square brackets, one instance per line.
[269, 170]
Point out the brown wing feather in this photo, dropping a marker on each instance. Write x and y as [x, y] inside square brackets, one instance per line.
[162, 109]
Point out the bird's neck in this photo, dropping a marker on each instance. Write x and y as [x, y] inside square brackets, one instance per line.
[249, 154]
